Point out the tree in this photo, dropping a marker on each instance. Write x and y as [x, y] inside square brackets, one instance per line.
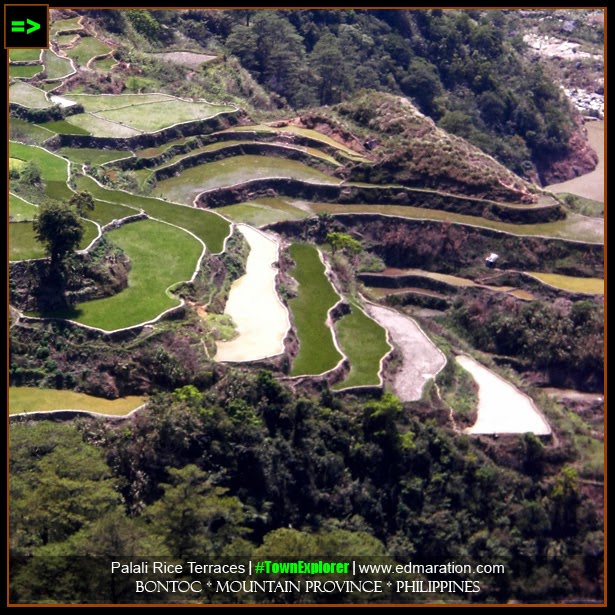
[194, 517]
[59, 229]
[343, 242]
[82, 202]
[30, 173]
[328, 62]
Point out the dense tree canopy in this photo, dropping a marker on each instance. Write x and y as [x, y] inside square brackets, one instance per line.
[59, 229]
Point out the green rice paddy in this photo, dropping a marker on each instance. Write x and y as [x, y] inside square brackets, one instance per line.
[27, 95]
[145, 242]
[364, 342]
[87, 48]
[206, 225]
[593, 286]
[20, 210]
[55, 66]
[256, 213]
[315, 296]
[33, 399]
[24, 71]
[23, 131]
[186, 186]
[93, 156]
[24, 55]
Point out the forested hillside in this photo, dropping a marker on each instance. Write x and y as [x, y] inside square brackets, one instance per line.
[467, 70]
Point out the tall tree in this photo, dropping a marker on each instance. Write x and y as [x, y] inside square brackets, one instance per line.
[59, 229]
[328, 62]
[194, 517]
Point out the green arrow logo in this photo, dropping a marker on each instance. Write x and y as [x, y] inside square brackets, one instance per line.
[34, 28]
[19, 26]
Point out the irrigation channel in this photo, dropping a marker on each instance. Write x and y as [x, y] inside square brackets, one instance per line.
[501, 407]
[261, 319]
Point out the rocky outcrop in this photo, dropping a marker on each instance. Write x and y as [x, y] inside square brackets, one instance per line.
[579, 159]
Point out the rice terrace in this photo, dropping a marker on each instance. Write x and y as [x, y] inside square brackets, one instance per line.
[342, 296]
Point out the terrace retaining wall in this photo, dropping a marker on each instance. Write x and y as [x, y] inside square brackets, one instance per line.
[154, 139]
[450, 247]
[378, 195]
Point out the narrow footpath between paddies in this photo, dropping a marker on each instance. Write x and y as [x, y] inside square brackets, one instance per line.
[422, 360]
[501, 407]
[261, 319]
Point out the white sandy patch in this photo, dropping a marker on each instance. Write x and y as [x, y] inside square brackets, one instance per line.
[421, 358]
[501, 407]
[60, 100]
[261, 319]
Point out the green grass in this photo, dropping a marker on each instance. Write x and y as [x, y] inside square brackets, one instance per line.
[151, 152]
[53, 168]
[55, 66]
[206, 225]
[15, 164]
[28, 96]
[87, 48]
[155, 116]
[461, 395]
[581, 205]
[185, 187]
[64, 24]
[65, 39]
[23, 131]
[104, 102]
[24, 71]
[100, 127]
[317, 352]
[62, 127]
[105, 64]
[24, 55]
[576, 285]
[22, 242]
[364, 343]
[33, 399]
[104, 212]
[20, 210]
[92, 155]
[256, 213]
[160, 257]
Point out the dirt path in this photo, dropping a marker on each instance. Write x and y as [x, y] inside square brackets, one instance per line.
[501, 407]
[421, 359]
[261, 319]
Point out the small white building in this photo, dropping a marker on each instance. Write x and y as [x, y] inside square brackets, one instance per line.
[492, 259]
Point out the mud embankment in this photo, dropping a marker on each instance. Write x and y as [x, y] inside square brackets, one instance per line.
[378, 195]
[455, 248]
[155, 139]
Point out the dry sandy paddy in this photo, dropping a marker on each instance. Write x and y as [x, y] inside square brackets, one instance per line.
[501, 407]
[261, 319]
[421, 358]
